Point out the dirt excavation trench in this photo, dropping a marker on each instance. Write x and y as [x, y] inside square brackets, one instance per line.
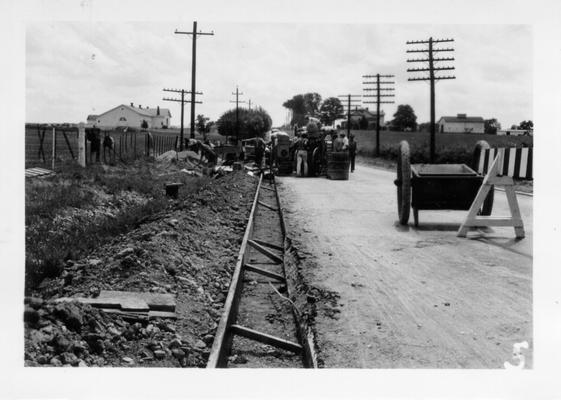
[187, 251]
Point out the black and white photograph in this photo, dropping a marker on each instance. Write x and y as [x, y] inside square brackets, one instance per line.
[334, 199]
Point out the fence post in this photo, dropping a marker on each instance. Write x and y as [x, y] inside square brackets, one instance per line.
[53, 153]
[81, 144]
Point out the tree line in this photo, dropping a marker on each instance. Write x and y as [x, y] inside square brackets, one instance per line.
[404, 119]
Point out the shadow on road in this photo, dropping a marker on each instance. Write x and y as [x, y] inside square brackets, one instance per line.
[502, 242]
[448, 227]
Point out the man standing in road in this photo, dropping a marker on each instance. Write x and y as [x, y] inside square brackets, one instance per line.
[352, 151]
[302, 156]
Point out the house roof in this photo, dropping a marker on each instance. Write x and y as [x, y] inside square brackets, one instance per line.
[462, 119]
[147, 112]
[365, 113]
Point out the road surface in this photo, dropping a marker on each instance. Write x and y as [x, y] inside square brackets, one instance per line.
[408, 297]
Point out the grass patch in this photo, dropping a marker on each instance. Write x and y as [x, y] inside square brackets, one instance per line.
[66, 216]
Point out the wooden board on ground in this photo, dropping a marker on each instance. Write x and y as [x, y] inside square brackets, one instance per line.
[142, 315]
[155, 301]
[129, 301]
[37, 172]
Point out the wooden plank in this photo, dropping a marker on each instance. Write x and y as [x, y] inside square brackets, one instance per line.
[264, 272]
[135, 301]
[270, 207]
[265, 252]
[132, 304]
[515, 211]
[218, 357]
[267, 244]
[500, 180]
[268, 188]
[93, 301]
[494, 221]
[155, 301]
[161, 314]
[266, 339]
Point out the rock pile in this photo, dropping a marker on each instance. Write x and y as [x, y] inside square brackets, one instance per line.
[77, 335]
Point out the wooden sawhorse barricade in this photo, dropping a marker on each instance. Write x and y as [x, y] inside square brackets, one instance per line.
[494, 179]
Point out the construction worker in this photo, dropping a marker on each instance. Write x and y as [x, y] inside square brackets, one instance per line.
[341, 143]
[94, 136]
[259, 151]
[352, 151]
[302, 156]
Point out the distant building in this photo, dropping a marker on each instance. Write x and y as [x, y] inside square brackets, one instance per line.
[132, 116]
[362, 118]
[461, 124]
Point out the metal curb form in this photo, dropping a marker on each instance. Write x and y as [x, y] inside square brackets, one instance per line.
[227, 327]
[305, 336]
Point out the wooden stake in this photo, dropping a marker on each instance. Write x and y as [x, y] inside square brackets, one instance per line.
[492, 178]
[81, 144]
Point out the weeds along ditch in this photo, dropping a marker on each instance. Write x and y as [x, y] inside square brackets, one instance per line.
[79, 209]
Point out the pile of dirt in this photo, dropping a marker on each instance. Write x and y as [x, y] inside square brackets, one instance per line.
[189, 251]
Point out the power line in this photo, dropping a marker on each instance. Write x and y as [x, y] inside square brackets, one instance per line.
[379, 90]
[237, 101]
[432, 78]
[182, 101]
[193, 92]
[350, 99]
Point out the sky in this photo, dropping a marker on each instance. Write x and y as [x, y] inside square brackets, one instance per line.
[73, 69]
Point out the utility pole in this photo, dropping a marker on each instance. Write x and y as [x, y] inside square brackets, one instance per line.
[379, 90]
[431, 60]
[237, 101]
[349, 101]
[182, 101]
[250, 104]
[193, 70]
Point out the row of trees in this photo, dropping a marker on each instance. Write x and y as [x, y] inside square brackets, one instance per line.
[255, 122]
[330, 109]
[245, 122]
[311, 105]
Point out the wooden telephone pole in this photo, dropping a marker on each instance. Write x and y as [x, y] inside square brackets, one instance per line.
[379, 90]
[349, 104]
[431, 68]
[193, 92]
[182, 101]
[237, 101]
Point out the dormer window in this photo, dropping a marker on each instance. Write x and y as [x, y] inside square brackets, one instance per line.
[122, 119]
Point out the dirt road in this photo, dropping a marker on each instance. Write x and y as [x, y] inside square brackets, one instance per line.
[408, 297]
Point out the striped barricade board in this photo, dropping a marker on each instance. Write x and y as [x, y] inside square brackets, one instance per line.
[517, 162]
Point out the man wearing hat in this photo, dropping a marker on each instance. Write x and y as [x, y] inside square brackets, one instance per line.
[352, 151]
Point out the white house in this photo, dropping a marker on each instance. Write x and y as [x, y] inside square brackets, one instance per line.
[132, 116]
[461, 124]
[358, 115]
